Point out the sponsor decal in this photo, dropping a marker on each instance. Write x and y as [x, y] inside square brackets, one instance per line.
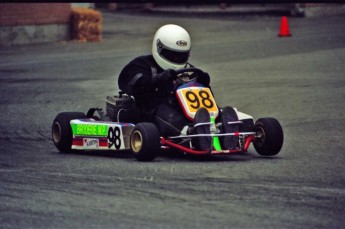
[98, 135]
[83, 143]
[181, 43]
[89, 130]
[91, 143]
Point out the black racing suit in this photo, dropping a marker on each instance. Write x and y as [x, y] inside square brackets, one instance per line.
[155, 101]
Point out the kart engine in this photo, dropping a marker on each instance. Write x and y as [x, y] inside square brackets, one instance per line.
[117, 104]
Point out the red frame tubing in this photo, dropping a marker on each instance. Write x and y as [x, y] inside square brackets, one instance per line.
[184, 149]
[165, 142]
[249, 140]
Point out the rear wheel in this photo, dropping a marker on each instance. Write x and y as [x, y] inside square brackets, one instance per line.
[270, 136]
[62, 131]
[145, 141]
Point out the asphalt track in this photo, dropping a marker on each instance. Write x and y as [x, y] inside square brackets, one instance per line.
[299, 80]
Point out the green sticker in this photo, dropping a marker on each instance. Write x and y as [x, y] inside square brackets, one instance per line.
[90, 130]
[216, 142]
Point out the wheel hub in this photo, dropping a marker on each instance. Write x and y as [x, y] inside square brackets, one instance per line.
[260, 135]
[136, 141]
[56, 132]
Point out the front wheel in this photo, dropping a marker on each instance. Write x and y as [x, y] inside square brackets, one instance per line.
[269, 136]
[62, 131]
[145, 141]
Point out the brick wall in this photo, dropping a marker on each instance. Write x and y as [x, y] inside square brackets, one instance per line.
[15, 14]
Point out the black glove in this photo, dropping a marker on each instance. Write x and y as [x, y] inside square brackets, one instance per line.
[164, 79]
[204, 79]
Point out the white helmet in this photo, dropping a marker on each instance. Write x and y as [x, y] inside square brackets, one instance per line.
[171, 46]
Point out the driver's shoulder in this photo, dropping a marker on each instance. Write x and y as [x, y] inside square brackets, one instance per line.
[144, 59]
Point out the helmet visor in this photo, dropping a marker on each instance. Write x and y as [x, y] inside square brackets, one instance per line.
[175, 56]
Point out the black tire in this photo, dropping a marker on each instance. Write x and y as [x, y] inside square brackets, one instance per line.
[62, 131]
[270, 136]
[145, 141]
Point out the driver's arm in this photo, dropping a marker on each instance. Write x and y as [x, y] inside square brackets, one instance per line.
[137, 78]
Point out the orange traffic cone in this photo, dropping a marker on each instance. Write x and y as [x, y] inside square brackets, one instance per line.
[284, 28]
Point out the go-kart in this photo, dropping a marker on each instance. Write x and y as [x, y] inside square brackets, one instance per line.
[97, 130]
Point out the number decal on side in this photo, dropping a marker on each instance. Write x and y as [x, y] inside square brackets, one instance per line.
[114, 135]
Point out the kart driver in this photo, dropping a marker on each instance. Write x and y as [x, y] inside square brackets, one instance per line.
[150, 80]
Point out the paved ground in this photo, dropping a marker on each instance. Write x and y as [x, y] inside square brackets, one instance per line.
[299, 80]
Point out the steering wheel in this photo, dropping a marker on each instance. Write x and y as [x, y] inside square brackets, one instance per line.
[189, 74]
[186, 75]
